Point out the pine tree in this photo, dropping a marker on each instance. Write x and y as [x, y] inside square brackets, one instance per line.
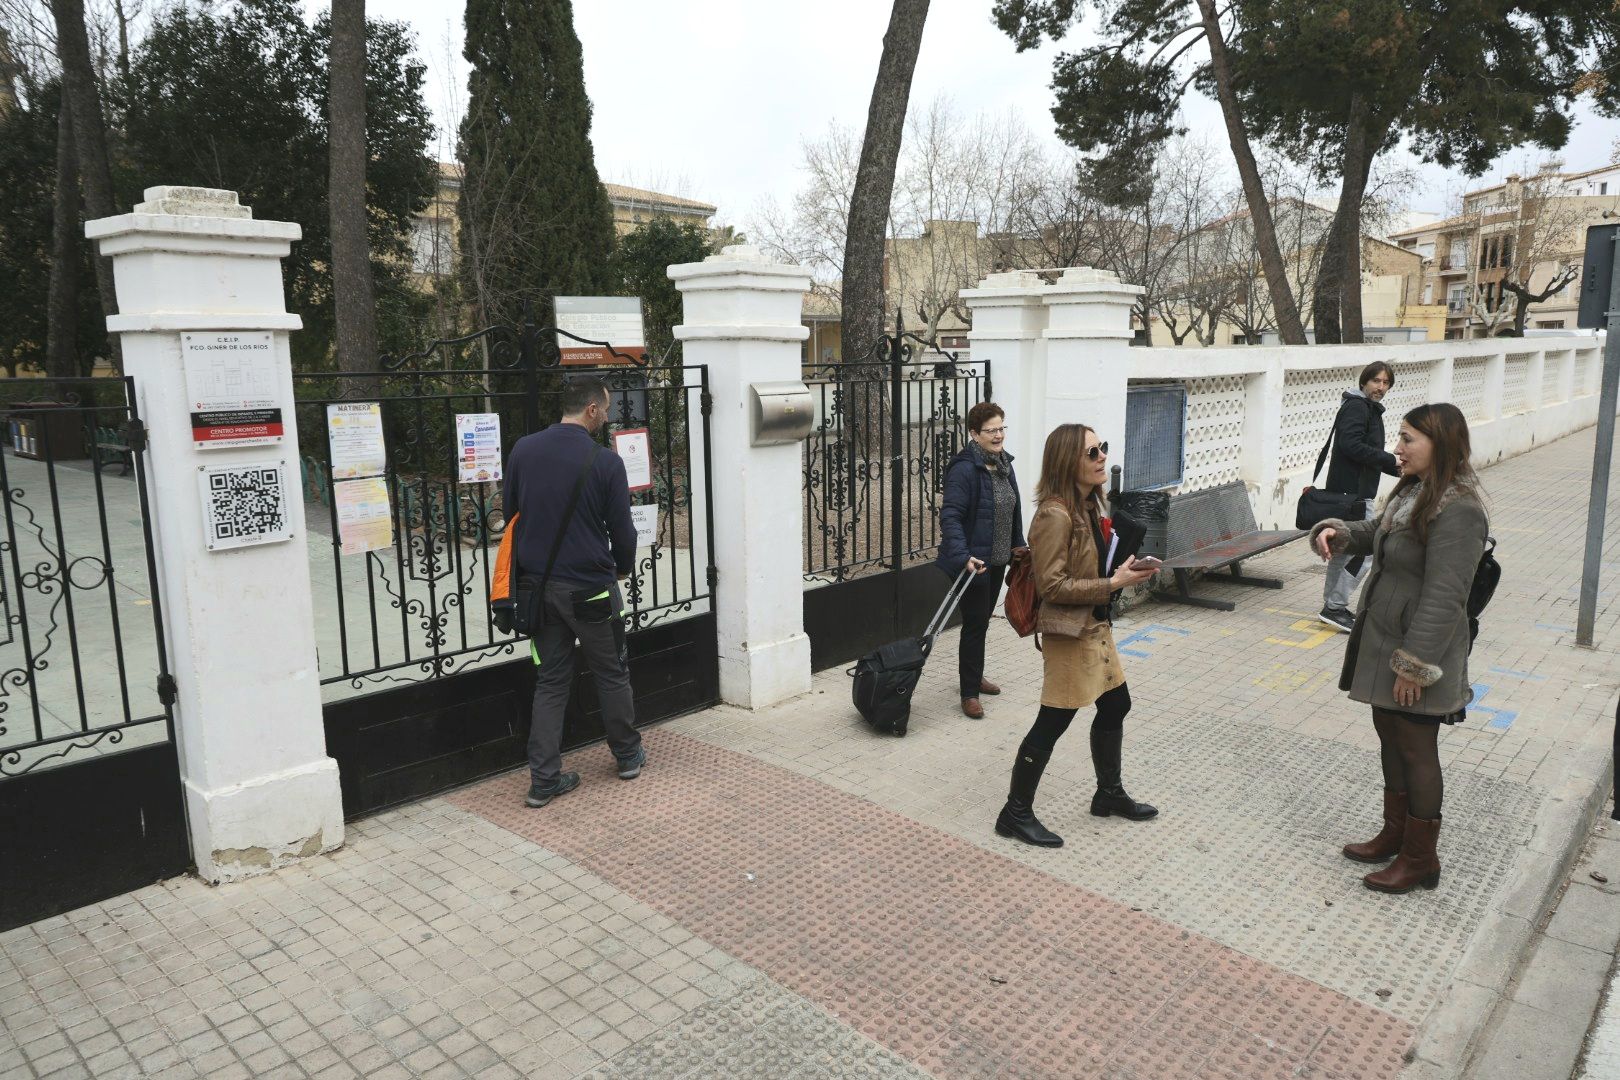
[536, 222]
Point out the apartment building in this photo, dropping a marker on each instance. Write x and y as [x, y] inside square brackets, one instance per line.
[1527, 231]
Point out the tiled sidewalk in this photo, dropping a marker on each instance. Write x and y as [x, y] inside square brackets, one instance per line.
[784, 894]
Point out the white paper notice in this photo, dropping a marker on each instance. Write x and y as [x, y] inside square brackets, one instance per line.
[478, 447]
[365, 522]
[646, 519]
[355, 435]
[636, 449]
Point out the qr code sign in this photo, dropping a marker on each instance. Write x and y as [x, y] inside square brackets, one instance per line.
[244, 504]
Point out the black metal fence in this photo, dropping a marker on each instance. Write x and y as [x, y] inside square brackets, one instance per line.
[90, 802]
[874, 464]
[81, 644]
[417, 609]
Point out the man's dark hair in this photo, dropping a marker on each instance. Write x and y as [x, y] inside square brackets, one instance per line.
[1375, 369]
[580, 392]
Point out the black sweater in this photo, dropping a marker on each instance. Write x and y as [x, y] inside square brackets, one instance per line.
[540, 476]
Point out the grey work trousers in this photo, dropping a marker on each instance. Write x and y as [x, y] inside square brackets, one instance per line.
[603, 644]
[1340, 582]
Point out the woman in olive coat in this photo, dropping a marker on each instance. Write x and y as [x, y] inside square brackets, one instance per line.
[1408, 654]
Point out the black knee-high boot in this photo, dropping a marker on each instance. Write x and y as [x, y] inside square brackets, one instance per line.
[1017, 818]
[1111, 797]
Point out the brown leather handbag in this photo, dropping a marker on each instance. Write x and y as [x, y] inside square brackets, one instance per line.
[1023, 602]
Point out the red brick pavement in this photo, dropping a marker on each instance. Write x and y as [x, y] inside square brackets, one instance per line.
[966, 962]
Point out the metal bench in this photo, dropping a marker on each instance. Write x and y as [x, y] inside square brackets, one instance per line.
[110, 445]
[1209, 530]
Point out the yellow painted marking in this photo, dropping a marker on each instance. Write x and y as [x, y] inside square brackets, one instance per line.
[1285, 611]
[1283, 678]
[1315, 634]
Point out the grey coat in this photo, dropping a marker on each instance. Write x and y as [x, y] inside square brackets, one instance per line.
[1413, 620]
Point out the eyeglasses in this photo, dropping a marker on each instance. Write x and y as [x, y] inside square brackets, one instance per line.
[993, 431]
[1098, 451]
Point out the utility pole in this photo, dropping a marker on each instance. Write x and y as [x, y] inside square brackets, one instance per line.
[1602, 246]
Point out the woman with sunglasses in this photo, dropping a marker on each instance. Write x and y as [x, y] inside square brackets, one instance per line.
[1408, 655]
[981, 525]
[1081, 666]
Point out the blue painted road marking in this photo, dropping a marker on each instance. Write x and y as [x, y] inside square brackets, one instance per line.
[1500, 719]
[1145, 635]
[1519, 674]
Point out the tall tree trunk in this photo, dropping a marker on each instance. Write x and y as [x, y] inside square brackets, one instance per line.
[62, 303]
[1325, 296]
[1362, 141]
[89, 140]
[1289, 327]
[352, 287]
[123, 38]
[868, 222]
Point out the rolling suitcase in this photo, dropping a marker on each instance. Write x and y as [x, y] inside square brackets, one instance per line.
[885, 680]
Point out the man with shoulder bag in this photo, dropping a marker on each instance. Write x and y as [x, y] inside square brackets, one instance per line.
[568, 500]
[1359, 458]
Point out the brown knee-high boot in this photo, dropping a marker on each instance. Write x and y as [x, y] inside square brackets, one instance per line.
[1417, 864]
[1387, 844]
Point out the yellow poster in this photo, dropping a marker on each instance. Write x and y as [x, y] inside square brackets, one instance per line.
[365, 521]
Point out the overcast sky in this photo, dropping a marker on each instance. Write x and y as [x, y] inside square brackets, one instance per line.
[712, 99]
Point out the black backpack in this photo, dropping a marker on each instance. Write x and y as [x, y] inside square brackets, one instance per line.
[885, 680]
[1486, 576]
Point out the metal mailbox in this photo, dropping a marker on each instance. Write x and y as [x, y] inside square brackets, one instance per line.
[783, 412]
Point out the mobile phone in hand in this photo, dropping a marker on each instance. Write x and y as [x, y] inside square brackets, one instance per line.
[1146, 562]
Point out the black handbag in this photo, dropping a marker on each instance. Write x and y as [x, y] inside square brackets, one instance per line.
[1486, 576]
[1316, 506]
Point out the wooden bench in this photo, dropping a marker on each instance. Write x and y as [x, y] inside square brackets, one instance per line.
[1209, 530]
[110, 444]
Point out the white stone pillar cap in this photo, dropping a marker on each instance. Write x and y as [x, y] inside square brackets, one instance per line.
[188, 217]
[740, 261]
[1008, 285]
[1079, 281]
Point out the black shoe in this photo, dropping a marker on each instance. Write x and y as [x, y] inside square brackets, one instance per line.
[1338, 618]
[1017, 819]
[630, 767]
[1111, 798]
[539, 796]
[1105, 803]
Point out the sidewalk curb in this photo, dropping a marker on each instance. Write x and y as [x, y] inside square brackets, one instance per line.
[1451, 1035]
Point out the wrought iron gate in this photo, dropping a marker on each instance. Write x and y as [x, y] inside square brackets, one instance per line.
[874, 474]
[422, 691]
[90, 799]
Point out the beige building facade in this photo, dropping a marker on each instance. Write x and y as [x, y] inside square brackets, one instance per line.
[1527, 230]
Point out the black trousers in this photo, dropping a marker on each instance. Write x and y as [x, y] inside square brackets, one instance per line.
[977, 604]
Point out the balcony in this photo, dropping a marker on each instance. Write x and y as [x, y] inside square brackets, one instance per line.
[1454, 264]
[1458, 307]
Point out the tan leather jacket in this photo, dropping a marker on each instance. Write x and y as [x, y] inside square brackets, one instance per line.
[1064, 555]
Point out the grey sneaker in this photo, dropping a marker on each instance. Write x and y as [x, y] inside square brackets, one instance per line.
[539, 796]
[630, 767]
[1338, 618]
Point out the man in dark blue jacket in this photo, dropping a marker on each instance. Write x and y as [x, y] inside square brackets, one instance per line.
[1359, 458]
[582, 600]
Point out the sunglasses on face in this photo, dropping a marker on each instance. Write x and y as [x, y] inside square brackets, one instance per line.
[1098, 451]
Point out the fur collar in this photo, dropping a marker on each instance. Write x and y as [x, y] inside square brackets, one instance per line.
[1398, 510]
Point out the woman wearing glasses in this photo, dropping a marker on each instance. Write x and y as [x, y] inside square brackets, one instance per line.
[1067, 546]
[981, 524]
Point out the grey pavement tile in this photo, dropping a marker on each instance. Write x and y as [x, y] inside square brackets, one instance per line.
[1587, 916]
[1563, 980]
[1527, 1044]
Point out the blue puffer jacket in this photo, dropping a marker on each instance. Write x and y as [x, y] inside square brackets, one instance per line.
[968, 516]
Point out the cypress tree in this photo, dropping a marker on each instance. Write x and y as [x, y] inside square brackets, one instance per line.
[535, 220]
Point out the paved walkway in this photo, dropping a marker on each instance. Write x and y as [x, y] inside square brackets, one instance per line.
[783, 894]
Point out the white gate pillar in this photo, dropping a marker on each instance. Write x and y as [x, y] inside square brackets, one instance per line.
[1008, 318]
[260, 790]
[742, 319]
[1088, 353]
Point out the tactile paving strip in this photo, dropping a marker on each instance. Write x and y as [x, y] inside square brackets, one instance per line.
[1246, 849]
[967, 962]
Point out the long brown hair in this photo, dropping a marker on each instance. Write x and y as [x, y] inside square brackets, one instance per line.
[1444, 425]
[1060, 469]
